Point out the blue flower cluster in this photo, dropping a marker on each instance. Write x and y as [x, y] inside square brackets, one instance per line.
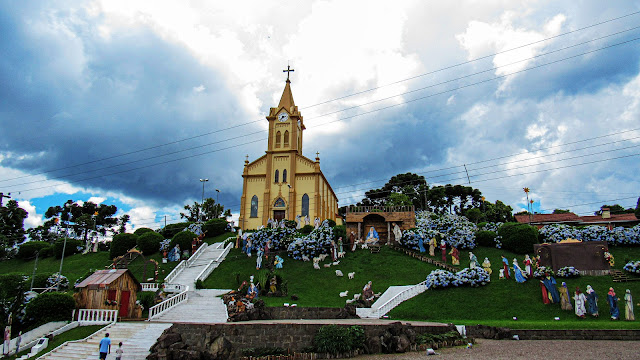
[492, 226]
[53, 280]
[473, 277]
[617, 236]
[316, 243]
[164, 245]
[568, 272]
[440, 279]
[411, 238]
[541, 271]
[632, 267]
[456, 230]
[280, 238]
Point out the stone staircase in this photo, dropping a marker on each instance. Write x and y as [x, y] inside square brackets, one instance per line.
[392, 297]
[189, 274]
[202, 307]
[136, 337]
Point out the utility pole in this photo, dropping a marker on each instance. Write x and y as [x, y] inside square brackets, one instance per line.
[2, 196]
[217, 202]
[202, 203]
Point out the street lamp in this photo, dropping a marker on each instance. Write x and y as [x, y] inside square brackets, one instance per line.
[217, 202]
[64, 246]
[202, 204]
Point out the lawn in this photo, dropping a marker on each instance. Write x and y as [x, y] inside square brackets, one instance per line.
[77, 333]
[495, 304]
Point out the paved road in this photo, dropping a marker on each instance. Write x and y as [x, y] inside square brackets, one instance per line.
[532, 349]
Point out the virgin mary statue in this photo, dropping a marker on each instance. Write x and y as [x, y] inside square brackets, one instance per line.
[372, 236]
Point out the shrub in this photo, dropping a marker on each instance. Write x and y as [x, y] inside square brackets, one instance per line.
[171, 230]
[141, 231]
[184, 239]
[306, 230]
[12, 285]
[334, 339]
[52, 306]
[214, 227]
[122, 243]
[28, 250]
[486, 238]
[56, 278]
[39, 281]
[73, 247]
[340, 231]
[147, 298]
[518, 238]
[332, 223]
[149, 242]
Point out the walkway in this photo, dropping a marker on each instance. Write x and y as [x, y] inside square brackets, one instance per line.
[188, 276]
[137, 338]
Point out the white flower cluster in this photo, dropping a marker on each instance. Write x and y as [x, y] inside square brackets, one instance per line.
[316, 243]
[541, 271]
[568, 272]
[456, 230]
[440, 279]
[632, 267]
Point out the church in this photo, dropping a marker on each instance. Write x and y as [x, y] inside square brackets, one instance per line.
[283, 183]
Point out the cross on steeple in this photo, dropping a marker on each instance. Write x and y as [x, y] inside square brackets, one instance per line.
[289, 69]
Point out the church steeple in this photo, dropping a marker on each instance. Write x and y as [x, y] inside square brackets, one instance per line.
[286, 100]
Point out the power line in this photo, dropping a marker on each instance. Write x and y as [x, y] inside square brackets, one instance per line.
[328, 101]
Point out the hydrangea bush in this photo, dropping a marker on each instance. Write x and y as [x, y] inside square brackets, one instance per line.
[617, 236]
[280, 238]
[632, 267]
[568, 272]
[53, 280]
[473, 277]
[316, 243]
[541, 271]
[440, 279]
[456, 230]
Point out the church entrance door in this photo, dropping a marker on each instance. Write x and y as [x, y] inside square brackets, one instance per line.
[278, 215]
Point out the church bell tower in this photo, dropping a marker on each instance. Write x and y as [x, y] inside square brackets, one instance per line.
[286, 124]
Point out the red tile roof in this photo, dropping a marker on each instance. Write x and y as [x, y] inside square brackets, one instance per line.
[573, 218]
[613, 218]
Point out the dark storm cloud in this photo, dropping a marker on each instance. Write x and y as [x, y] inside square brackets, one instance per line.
[71, 96]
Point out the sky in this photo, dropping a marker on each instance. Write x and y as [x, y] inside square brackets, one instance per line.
[133, 102]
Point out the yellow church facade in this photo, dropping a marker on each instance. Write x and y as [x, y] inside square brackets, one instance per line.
[283, 183]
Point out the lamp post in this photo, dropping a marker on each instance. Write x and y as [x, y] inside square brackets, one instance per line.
[217, 202]
[202, 204]
[64, 245]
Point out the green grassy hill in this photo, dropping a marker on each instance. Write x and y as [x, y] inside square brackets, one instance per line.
[494, 304]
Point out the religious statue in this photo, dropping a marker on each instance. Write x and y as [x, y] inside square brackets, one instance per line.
[259, 259]
[316, 223]
[248, 248]
[273, 284]
[397, 232]
[372, 236]
[432, 246]
[7, 340]
[592, 300]
[505, 266]
[252, 292]
[352, 241]
[267, 248]
[278, 262]
[527, 266]
[473, 260]
[421, 244]
[486, 265]
[282, 224]
[565, 303]
[580, 301]
[443, 249]
[298, 222]
[608, 257]
[612, 299]
[549, 287]
[455, 256]
[334, 251]
[340, 244]
[307, 221]
[628, 309]
[517, 272]
[174, 255]
[367, 292]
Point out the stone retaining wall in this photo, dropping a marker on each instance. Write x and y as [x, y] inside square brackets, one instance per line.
[489, 332]
[284, 313]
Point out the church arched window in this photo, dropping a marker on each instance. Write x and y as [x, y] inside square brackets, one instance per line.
[286, 138]
[278, 139]
[254, 206]
[284, 175]
[277, 177]
[305, 205]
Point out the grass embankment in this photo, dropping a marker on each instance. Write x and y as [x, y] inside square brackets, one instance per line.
[495, 304]
[78, 333]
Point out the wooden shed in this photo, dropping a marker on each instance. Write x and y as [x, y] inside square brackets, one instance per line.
[115, 289]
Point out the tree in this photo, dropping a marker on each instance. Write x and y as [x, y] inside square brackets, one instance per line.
[397, 199]
[614, 209]
[561, 211]
[473, 214]
[204, 212]
[498, 212]
[122, 224]
[12, 223]
[82, 219]
[412, 185]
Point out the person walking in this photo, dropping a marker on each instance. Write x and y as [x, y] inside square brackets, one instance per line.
[105, 346]
[119, 351]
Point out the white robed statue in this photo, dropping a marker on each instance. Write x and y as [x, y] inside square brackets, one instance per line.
[372, 236]
[316, 222]
[299, 222]
[307, 221]
[397, 232]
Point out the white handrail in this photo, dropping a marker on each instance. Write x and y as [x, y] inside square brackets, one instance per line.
[399, 298]
[225, 252]
[157, 310]
[75, 341]
[176, 270]
[150, 286]
[197, 254]
[173, 288]
[206, 271]
[97, 316]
